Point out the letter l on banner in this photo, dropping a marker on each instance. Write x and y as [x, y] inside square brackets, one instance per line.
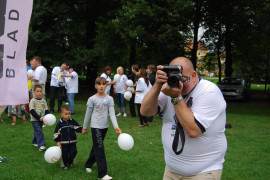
[14, 22]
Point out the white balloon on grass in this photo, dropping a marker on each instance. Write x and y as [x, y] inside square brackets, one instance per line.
[30, 73]
[49, 119]
[125, 141]
[129, 83]
[128, 95]
[130, 89]
[116, 77]
[53, 154]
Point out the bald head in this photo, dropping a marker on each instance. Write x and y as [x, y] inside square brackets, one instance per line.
[187, 63]
[188, 70]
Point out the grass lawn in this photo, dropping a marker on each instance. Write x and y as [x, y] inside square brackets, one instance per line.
[247, 155]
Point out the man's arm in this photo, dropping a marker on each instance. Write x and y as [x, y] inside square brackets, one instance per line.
[187, 119]
[183, 113]
[149, 105]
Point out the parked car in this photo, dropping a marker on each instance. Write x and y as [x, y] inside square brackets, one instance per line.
[237, 88]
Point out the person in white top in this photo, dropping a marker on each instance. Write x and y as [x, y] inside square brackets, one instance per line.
[57, 85]
[72, 83]
[195, 111]
[40, 75]
[142, 88]
[107, 75]
[119, 91]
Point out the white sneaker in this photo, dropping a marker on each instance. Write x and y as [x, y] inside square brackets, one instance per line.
[89, 170]
[119, 114]
[106, 177]
[42, 148]
[125, 115]
[66, 103]
[36, 145]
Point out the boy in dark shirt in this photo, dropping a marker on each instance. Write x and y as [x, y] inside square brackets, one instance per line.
[65, 136]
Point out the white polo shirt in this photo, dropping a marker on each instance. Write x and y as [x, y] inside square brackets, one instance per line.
[108, 79]
[54, 77]
[40, 74]
[120, 85]
[72, 83]
[206, 152]
[143, 88]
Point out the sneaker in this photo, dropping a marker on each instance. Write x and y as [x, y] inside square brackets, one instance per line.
[106, 177]
[89, 170]
[1, 120]
[125, 115]
[66, 103]
[119, 114]
[36, 145]
[71, 165]
[65, 168]
[62, 165]
[42, 148]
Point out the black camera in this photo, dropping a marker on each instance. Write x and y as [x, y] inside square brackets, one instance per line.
[175, 75]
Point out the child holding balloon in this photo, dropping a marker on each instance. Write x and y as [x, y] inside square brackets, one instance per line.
[98, 107]
[65, 136]
[38, 109]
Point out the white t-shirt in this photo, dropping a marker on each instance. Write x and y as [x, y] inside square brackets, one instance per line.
[54, 77]
[72, 83]
[108, 79]
[206, 152]
[120, 86]
[40, 74]
[143, 88]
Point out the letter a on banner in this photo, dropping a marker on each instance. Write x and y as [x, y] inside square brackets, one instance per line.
[14, 23]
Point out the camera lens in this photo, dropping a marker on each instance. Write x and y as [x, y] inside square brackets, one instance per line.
[173, 81]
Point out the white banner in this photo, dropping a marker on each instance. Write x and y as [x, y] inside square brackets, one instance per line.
[14, 22]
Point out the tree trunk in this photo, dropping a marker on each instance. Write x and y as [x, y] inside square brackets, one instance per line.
[219, 65]
[132, 57]
[196, 23]
[228, 49]
[267, 71]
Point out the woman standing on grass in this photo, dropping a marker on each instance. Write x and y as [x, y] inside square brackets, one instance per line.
[107, 75]
[119, 91]
[142, 88]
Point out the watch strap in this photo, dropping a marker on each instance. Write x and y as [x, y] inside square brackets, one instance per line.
[176, 100]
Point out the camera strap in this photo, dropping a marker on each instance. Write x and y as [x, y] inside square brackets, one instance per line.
[178, 132]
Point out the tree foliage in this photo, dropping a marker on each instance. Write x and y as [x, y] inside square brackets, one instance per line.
[92, 34]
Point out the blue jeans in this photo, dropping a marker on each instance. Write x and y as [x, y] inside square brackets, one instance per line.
[38, 134]
[10, 109]
[71, 101]
[120, 101]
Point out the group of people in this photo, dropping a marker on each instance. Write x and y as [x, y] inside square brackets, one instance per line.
[143, 80]
[194, 118]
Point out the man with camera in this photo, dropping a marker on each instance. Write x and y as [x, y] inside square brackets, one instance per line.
[193, 123]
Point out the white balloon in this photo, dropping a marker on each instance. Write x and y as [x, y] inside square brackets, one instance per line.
[53, 154]
[130, 89]
[125, 141]
[116, 77]
[30, 73]
[128, 95]
[49, 119]
[129, 83]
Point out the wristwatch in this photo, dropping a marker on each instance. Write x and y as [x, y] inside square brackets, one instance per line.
[176, 100]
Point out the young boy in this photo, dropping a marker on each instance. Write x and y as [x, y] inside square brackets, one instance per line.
[65, 136]
[98, 107]
[38, 109]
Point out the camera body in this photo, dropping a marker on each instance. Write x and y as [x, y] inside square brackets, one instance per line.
[175, 75]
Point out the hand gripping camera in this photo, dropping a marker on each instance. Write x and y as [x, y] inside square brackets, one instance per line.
[175, 75]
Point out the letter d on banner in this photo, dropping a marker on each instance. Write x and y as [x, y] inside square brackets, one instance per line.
[14, 22]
